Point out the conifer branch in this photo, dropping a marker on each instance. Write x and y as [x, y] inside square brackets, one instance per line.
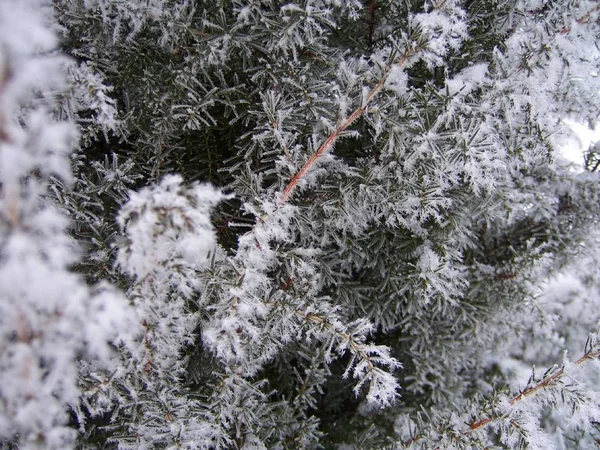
[581, 20]
[221, 342]
[345, 337]
[332, 138]
[551, 379]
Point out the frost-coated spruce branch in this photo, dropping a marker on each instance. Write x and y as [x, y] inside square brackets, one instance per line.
[383, 387]
[396, 202]
[344, 123]
[505, 408]
[583, 19]
[551, 378]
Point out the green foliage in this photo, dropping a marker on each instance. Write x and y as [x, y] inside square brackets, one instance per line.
[396, 201]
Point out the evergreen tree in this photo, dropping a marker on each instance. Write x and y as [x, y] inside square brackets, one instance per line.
[336, 223]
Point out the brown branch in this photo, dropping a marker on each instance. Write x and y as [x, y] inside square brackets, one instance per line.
[548, 381]
[10, 190]
[328, 143]
[581, 20]
[532, 390]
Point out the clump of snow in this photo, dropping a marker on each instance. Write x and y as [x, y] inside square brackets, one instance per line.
[468, 79]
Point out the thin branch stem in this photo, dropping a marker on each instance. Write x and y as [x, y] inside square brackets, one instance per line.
[548, 381]
[332, 138]
[581, 20]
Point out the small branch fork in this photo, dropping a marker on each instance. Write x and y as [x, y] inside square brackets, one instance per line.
[328, 143]
[355, 346]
